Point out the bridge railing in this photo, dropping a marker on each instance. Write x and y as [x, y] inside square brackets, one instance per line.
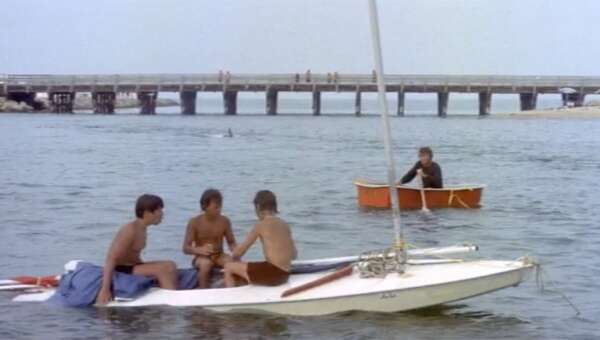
[297, 78]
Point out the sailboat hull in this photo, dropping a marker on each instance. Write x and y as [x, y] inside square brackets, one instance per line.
[377, 195]
[421, 286]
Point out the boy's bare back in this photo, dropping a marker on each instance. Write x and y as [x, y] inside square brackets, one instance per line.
[278, 245]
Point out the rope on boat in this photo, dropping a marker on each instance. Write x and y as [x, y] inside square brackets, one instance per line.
[539, 279]
[379, 263]
[451, 198]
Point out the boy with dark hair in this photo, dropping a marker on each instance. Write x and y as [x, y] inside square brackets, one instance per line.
[124, 254]
[277, 243]
[430, 171]
[204, 237]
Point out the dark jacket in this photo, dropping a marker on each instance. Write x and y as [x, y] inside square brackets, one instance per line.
[433, 172]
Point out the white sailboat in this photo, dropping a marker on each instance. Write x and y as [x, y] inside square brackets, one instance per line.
[386, 281]
[422, 284]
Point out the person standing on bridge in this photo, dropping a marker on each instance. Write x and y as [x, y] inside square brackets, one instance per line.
[429, 171]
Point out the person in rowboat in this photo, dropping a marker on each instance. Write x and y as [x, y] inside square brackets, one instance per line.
[204, 237]
[277, 244]
[124, 254]
[430, 171]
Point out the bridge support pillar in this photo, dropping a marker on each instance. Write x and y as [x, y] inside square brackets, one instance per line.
[400, 108]
[187, 100]
[147, 102]
[230, 102]
[316, 103]
[528, 101]
[573, 99]
[443, 103]
[358, 103]
[61, 102]
[104, 102]
[272, 102]
[27, 98]
[485, 103]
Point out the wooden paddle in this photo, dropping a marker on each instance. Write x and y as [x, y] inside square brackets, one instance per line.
[346, 271]
[423, 199]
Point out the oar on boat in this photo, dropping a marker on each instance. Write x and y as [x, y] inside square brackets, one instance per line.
[346, 271]
[423, 199]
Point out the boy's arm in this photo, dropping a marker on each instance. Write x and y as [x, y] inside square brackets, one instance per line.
[410, 175]
[118, 248]
[242, 248]
[230, 237]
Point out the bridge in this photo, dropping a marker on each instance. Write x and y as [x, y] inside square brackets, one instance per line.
[62, 89]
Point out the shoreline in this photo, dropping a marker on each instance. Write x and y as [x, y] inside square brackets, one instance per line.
[591, 111]
[82, 103]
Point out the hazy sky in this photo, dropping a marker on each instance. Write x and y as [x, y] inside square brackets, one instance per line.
[196, 36]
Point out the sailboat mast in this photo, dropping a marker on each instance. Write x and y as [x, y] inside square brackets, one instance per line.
[387, 138]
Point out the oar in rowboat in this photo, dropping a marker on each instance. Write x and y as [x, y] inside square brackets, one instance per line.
[423, 199]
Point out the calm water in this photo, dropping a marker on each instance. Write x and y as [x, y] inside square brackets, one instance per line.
[68, 182]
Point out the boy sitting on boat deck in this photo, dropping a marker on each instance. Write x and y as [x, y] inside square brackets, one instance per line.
[124, 254]
[430, 171]
[277, 243]
[204, 237]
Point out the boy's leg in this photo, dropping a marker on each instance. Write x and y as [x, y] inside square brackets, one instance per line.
[233, 269]
[222, 260]
[204, 266]
[163, 271]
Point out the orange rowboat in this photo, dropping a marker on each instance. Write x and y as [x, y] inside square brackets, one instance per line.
[377, 195]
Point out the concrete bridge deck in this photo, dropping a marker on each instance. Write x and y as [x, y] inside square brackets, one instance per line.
[62, 88]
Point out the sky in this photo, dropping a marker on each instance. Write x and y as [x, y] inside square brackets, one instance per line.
[533, 37]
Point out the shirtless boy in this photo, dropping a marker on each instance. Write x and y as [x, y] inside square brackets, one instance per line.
[204, 237]
[277, 243]
[124, 254]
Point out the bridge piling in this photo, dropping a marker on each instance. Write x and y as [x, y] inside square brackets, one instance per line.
[271, 102]
[187, 101]
[316, 103]
[400, 108]
[61, 102]
[357, 104]
[26, 97]
[485, 103]
[230, 102]
[147, 102]
[442, 104]
[104, 102]
[528, 101]
[575, 99]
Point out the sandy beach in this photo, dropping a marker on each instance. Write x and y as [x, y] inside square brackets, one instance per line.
[589, 111]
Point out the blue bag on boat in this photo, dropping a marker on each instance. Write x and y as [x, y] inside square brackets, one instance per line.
[80, 287]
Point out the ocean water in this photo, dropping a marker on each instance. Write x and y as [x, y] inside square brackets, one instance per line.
[67, 182]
